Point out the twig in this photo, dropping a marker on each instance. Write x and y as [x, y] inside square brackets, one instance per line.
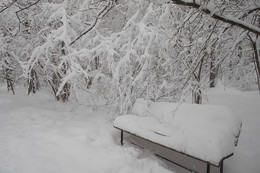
[223, 18]
[101, 14]
[7, 6]
[22, 9]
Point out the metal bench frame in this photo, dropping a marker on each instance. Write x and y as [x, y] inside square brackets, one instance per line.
[220, 165]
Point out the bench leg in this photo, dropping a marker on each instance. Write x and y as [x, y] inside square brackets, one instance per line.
[122, 137]
[221, 166]
[208, 168]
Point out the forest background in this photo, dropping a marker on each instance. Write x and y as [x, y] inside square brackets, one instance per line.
[120, 50]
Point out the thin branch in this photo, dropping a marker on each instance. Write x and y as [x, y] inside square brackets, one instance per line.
[253, 10]
[36, 2]
[7, 6]
[223, 18]
[101, 14]
[19, 26]
[197, 63]
[22, 9]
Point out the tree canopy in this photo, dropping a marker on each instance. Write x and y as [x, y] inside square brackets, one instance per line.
[121, 50]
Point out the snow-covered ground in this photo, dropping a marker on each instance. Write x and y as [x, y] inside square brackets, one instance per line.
[247, 106]
[40, 135]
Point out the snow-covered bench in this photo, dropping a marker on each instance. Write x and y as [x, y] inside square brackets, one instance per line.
[207, 133]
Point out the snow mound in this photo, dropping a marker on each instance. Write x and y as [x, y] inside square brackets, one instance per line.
[206, 132]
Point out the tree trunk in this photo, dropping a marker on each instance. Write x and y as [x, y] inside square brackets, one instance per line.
[10, 85]
[257, 65]
[57, 77]
[213, 71]
[256, 61]
[212, 75]
[196, 92]
[8, 76]
[33, 82]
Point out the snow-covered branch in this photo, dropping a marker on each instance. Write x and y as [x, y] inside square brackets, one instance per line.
[101, 14]
[6, 6]
[209, 9]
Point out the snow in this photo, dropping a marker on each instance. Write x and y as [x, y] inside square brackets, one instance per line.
[38, 134]
[245, 104]
[206, 132]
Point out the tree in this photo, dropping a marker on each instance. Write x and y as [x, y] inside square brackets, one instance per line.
[8, 72]
[234, 13]
[54, 56]
[123, 50]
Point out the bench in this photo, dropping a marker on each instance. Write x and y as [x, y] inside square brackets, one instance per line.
[205, 133]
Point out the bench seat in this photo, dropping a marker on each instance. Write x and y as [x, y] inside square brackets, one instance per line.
[205, 132]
